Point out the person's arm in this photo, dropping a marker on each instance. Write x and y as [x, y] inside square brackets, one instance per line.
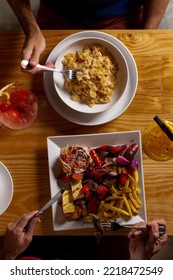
[143, 245]
[24, 13]
[34, 43]
[153, 11]
[18, 236]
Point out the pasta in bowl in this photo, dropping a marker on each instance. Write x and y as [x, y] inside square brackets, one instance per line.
[102, 75]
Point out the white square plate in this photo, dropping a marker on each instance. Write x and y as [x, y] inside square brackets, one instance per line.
[55, 143]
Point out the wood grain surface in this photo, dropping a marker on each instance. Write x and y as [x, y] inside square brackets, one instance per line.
[25, 152]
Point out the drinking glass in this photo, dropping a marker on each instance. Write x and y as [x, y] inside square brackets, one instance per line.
[155, 141]
[18, 108]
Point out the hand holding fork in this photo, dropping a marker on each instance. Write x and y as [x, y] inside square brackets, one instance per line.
[70, 74]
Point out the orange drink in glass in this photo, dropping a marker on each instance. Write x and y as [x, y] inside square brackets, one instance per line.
[157, 140]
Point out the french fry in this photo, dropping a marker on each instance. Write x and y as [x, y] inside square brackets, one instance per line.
[101, 210]
[113, 197]
[134, 201]
[135, 175]
[116, 209]
[88, 219]
[126, 187]
[134, 210]
[127, 205]
[101, 205]
[133, 182]
[106, 214]
[138, 191]
[136, 197]
[114, 191]
[120, 205]
[109, 215]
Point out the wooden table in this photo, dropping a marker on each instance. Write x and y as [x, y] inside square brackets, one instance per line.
[25, 152]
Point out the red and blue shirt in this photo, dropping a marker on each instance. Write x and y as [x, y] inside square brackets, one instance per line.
[94, 10]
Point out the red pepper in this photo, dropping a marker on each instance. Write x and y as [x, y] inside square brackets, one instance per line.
[123, 179]
[92, 206]
[102, 190]
[95, 174]
[65, 178]
[86, 190]
[104, 148]
[114, 150]
[77, 176]
[131, 152]
[117, 149]
[96, 158]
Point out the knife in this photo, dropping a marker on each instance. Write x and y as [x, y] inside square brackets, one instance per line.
[50, 202]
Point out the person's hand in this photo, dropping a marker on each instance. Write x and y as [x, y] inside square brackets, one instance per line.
[37, 70]
[34, 45]
[143, 245]
[19, 235]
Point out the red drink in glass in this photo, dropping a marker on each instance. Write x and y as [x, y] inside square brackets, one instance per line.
[18, 108]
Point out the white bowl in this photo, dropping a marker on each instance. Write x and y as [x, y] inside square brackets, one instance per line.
[122, 75]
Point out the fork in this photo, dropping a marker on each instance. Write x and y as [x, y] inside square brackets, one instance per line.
[70, 74]
[113, 226]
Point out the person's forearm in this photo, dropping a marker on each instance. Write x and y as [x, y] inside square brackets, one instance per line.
[24, 13]
[153, 11]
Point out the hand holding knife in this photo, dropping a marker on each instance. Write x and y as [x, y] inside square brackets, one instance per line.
[50, 202]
